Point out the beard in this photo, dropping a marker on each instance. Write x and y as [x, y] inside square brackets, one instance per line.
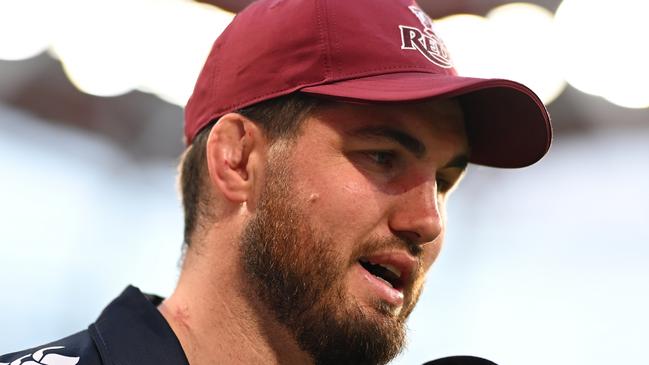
[298, 274]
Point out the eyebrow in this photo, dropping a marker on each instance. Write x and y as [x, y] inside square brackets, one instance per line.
[408, 142]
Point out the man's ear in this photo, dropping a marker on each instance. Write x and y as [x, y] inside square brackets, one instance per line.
[235, 152]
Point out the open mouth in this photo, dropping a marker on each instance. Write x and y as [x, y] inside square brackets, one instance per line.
[384, 272]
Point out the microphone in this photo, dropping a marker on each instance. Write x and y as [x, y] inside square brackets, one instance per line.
[461, 360]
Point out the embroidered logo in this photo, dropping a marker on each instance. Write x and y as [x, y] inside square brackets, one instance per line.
[44, 356]
[426, 42]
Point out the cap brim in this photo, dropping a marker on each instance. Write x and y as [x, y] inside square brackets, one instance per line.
[507, 124]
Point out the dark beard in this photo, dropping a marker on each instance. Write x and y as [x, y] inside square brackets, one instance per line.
[297, 273]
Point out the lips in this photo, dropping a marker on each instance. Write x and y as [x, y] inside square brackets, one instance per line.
[394, 269]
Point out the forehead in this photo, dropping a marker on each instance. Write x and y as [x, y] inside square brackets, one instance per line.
[431, 122]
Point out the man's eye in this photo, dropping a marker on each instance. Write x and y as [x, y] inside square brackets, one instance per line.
[443, 185]
[448, 180]
[383, 158]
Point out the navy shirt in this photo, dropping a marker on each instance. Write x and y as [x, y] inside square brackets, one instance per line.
[130, 331]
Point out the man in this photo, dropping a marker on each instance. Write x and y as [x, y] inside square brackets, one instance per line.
[324, 138]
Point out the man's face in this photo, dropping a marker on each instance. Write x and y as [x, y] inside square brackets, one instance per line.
[350, 220]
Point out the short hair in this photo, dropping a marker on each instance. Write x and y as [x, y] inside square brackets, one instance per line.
[279, 118]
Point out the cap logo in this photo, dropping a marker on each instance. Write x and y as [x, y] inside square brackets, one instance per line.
[426, 42]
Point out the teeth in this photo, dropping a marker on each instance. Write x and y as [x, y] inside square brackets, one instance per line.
[394, 270]
[389, 267]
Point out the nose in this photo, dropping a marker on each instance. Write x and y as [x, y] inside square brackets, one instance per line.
[416, 214]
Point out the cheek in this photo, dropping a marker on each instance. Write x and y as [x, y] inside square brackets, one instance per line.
[341, 200]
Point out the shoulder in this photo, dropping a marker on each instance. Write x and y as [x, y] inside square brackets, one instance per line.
[130, 330]
[77, 349]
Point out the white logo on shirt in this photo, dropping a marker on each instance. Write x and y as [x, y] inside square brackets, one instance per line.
[40, 357]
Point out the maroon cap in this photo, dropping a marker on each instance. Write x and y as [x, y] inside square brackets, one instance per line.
[368, 51]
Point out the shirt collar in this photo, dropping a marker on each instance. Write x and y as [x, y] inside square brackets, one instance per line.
[131, 330]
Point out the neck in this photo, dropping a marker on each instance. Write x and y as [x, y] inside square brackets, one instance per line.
[216, 321]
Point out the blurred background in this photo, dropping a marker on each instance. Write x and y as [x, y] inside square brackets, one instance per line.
[543, 265]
